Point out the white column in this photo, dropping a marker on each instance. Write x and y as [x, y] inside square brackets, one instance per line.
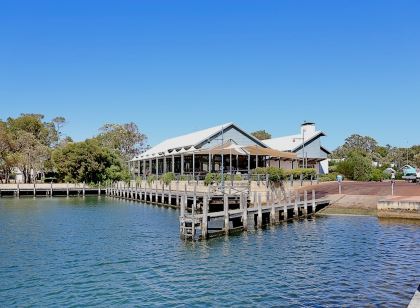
[165, 164]
[173, 163]
[182, 164]
[193, 166]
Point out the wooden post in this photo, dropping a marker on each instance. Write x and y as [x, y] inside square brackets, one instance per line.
[51, 190]
[99, 189]
[34, 189]
[259, 217]
[17, 190]
[244, 213]
[204, 222]
[193, 220]
[170, 194]
[285, 207]
[273, 219]
[177, 193]
[226, 210]
[195, 196]
[313, 202]
[296, 209]
[182, 212]
[84, 188]
[305, 203]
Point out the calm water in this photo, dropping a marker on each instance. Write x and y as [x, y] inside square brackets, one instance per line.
[74, 252]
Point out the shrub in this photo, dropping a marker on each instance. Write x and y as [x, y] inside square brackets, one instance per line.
[328, 177]
[376, 175]
[151, 179]
[167, 178]
[306, 173]
[275, 174]
[356, 167]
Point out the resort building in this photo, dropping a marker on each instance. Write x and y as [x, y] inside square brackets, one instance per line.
[207, 151]
[306, 145]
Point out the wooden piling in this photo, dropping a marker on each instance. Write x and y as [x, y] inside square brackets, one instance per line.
[313, 202]
[305, 203]
[245, 212]
[273, 218]
[204, 222]
[296, 208]
[226, 212]
[51, 190]
[34, 189]
[84, 189]
[259, 216]
[18, 190]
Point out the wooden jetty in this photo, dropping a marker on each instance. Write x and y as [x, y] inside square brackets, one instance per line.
[50, 190]
[204, 215]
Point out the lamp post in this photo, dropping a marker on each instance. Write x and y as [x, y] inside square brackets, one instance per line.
[303, 148]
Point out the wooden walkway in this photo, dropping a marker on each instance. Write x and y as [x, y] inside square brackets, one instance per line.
[49, 190]
[204, 215]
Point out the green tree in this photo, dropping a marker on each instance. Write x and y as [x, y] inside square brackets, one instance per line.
[356, 167]
[88, 162]
[261, 135]
[125, 139]
[362, 144]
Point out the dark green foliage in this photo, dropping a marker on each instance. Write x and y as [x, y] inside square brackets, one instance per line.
[356, 167]
[88, 162]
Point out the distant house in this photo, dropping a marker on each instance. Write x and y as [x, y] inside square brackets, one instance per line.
[308, 147]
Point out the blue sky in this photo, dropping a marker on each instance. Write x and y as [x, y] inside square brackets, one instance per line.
[176, 66]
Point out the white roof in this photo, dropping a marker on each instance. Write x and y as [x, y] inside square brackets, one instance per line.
[183, 143]
[291, 143]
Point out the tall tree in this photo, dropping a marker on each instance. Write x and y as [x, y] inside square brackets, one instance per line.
[88, 162]
[261, 135]
[58, 124]
[358, 143]
[125, 139]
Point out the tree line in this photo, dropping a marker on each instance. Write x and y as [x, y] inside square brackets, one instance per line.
[36, 148]
[362, 158]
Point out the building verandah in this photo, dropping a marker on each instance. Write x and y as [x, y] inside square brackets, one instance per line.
[235, 159]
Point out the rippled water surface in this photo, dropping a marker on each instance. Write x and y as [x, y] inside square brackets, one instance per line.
[64, 252]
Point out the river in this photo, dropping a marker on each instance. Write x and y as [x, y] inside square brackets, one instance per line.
[107, 252]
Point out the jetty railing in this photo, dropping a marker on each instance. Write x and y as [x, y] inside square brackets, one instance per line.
[205, 214]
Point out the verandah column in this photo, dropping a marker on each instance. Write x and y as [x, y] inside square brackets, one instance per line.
[193, 172]
[165, 165]
[173, 163]
[157, 166]
[182, 164]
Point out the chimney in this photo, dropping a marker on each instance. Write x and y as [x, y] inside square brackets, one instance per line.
[308, 128]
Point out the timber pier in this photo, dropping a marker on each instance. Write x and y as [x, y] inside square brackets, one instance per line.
[215, 212]
[50, 190]
[205, 211]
